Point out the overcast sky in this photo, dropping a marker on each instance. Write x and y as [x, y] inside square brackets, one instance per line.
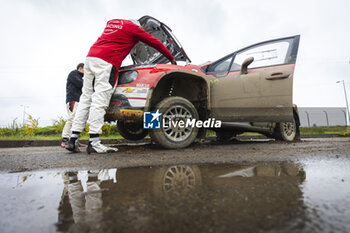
[43, 40]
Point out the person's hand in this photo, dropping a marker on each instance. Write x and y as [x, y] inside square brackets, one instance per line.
[173, 62]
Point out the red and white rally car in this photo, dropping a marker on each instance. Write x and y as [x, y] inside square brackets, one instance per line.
[248, 90]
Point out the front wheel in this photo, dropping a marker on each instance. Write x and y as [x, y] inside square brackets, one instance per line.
[175, 131]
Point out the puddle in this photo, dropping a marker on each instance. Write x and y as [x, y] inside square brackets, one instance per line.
[312, 196]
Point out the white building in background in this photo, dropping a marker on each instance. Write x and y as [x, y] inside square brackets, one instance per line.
[310, 117]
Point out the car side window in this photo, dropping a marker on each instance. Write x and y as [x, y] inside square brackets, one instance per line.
[267, 54]
[235, 67]
[222, 66]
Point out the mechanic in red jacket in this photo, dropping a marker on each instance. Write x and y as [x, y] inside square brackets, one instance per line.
[100, 77]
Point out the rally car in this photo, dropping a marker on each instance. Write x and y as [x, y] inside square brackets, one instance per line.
[249, 90]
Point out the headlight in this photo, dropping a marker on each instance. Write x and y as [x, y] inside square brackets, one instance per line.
[127, 76]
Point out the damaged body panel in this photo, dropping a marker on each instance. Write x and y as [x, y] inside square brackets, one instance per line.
[248, 90]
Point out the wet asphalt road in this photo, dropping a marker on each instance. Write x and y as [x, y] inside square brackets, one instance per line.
[134, 155]
[246, 186]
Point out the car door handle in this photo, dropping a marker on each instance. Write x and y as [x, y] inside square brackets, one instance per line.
[278, 75]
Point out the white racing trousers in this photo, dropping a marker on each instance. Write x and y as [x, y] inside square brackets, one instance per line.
[71, 110]
[99, 81]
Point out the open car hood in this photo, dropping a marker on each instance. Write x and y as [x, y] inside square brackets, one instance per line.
[144, 54]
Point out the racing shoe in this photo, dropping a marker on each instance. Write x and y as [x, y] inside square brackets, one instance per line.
[82, 145]
[64, 142]
[73, 145]
[98, 147]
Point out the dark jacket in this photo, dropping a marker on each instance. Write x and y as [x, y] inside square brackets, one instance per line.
[74, 86]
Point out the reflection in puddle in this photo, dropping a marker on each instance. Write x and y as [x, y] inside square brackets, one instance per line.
[182, 198]
[327, 195]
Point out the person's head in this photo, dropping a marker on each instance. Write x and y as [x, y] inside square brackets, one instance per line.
[80, 67]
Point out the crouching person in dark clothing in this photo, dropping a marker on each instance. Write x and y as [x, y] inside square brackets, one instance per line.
[73, 92]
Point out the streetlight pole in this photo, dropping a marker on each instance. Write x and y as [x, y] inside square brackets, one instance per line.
[346, 100]
[344, 116]
[24, 111]
[326, 117]
[308, 118]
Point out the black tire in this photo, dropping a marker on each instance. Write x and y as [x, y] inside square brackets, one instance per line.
[175, 137]
[131, 131]
[225, 136]
[285, 131]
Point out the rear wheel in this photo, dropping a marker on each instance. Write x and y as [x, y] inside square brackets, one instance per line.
[172, 135]
[285, 131]
[131, 130]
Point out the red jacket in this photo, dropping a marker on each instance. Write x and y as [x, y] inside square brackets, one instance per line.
[117, 40]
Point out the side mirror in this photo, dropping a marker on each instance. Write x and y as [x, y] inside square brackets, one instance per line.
[245, 64]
